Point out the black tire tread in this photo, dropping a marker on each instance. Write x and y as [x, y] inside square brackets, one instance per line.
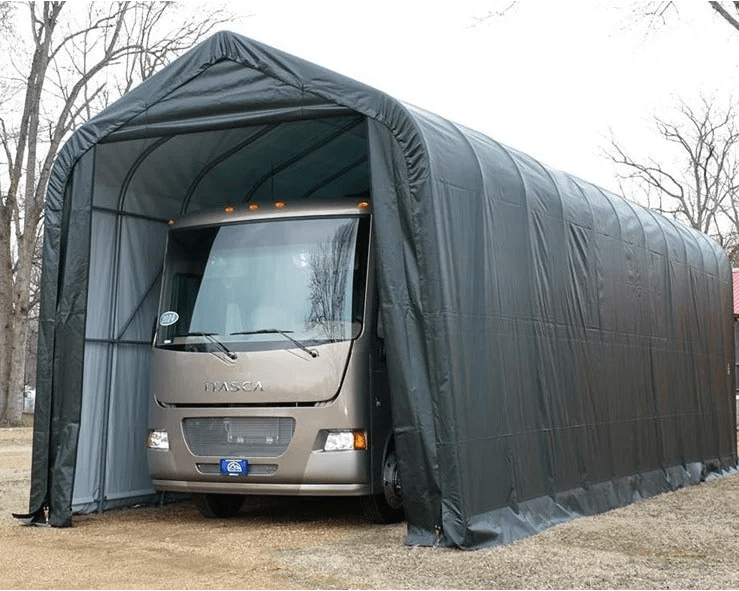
[217, 506]
[376, 510]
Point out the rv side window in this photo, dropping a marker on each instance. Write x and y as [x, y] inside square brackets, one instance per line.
[359, 282]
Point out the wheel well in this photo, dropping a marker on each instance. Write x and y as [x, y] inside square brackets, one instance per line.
[389, 446]
[377, 477]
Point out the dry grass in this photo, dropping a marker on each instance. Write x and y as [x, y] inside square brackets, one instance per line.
[685, 539]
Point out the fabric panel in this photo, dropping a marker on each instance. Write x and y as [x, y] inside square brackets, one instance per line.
[553, 349]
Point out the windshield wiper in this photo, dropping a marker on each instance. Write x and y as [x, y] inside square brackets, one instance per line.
[209, 335]
[310, 352]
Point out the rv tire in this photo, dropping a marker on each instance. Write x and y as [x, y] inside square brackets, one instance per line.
[215, 506]
[386, 507]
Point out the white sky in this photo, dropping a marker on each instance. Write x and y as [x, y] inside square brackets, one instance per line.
[549, 78]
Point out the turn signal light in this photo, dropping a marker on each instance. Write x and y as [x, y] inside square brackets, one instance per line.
[279, 204]
[229, 209]
[360, 440]
[363, 204]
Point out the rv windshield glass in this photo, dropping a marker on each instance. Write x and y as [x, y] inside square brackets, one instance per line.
[250, 283]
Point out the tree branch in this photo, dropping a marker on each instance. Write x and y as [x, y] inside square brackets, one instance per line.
[725, 13]
[699, 187]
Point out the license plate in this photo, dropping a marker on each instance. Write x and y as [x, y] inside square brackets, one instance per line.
[234, 467]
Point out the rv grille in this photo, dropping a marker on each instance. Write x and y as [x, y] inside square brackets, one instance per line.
[263, 437]
[254, 469]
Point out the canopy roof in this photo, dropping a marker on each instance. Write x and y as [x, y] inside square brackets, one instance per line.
[553, 349]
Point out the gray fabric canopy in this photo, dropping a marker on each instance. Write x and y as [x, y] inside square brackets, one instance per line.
[553, 350]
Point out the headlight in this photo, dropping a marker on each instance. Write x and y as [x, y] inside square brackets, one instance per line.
[345, 440]
[157, 439]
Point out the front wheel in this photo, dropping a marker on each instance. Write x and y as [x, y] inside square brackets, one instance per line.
[215, 506]
[386, 507]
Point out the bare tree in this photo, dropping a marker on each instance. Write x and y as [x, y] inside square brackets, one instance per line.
[329, 264]
[653, 13]
[79, 60]
[658, 11]
[696, 178]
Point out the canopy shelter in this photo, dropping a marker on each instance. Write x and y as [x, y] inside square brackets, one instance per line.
[553, 350]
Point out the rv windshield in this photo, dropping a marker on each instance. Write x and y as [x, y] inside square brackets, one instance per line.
[249, 285]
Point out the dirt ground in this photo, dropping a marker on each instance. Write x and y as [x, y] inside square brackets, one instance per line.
[686, 539]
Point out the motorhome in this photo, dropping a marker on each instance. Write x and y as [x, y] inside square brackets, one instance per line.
[269, 373]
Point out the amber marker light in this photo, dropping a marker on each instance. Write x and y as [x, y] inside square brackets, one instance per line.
[279, 204]
[170, 222]
[253, 206]
[363, 204]
[360, 440]
[229, 209]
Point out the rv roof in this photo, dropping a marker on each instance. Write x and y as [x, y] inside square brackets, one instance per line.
[276, 210]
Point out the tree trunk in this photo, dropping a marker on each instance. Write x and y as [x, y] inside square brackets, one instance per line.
[16, 347]
[6, 309]
[13, 415]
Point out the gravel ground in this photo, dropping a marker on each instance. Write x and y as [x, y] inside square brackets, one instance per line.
[686, 539]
